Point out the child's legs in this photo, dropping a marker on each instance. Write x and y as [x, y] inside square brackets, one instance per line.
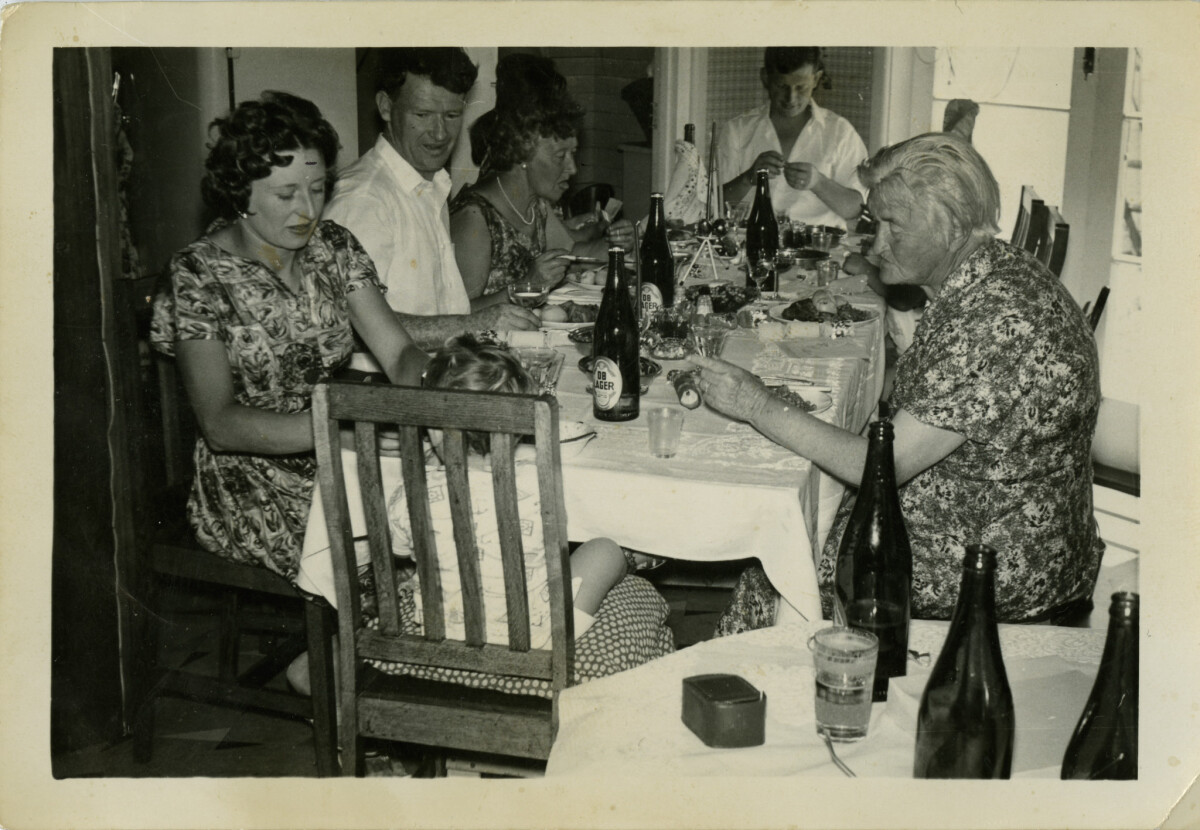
[600, 564]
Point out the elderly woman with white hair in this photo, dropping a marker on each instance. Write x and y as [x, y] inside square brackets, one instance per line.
[994, 404]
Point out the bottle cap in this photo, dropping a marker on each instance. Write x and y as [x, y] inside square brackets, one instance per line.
[656, 195]
[1124, 604]
[979, 558]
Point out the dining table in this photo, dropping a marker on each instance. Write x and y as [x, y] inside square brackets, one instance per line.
[728, 493]
[630, 724]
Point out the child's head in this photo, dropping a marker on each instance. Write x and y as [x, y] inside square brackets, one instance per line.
[465, 363]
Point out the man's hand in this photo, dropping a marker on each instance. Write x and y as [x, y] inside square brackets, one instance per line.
[856, 264]
[505, 317]
[620, 234]
[730, 389]
[800, 175]
[770, 160]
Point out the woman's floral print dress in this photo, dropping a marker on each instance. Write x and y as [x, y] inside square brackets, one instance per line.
[1003, 357]
[512, 251]
[254, 508]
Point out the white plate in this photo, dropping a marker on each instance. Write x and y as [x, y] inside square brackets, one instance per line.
[573, 279]
[775, 312]
[568, 326]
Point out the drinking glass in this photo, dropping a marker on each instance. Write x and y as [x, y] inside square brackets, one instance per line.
[543, 366]
[844, 663]
[666, 425]
[762, 271]
[528, 293]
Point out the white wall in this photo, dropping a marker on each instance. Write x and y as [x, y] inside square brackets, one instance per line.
[1024, 97]
[324, 76]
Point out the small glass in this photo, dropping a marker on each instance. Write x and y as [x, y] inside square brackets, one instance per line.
[543, 366]
[827, 271]
[666, 426]
[528, 293]
[844, 664]
[822, 240]
[762, 272]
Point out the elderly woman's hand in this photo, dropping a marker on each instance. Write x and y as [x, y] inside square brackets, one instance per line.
[620, 234]
[801, 175]
[549, 268]
[730, 389]
[856, 264]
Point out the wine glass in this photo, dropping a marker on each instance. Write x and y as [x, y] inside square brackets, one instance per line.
[762, 271]
[528, 293]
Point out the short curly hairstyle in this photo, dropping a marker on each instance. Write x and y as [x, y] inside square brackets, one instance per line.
[463, 362]
[446, 66]
[249, 142]
[532, 102]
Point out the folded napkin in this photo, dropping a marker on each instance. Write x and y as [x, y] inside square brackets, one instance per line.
[541, 339]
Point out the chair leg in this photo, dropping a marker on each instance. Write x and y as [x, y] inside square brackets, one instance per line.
[148, 675]
[229, 638]
[320, 623]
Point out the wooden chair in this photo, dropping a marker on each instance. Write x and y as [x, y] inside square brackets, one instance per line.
[1093, 311]
[1049, 233]
[173, 558]
[441, 714]
[1029, 204]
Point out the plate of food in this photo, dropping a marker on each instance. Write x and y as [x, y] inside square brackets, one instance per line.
[726, 297]
[590, 280]
[805, 311]
[567, 315]
[811, 401]
[647, 367]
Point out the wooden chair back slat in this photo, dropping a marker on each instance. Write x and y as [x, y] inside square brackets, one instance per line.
[505, 419]
[512, 552]
[1030, 204]
[458, 494]
[554, 535]
[416, 494]
[1052, 238]
[366, 449]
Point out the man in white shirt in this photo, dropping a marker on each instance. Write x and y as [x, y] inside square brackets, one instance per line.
[394, 198]
[816, 150]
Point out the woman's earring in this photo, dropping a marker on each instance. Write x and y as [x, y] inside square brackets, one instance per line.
[243, 214]
[524, 166]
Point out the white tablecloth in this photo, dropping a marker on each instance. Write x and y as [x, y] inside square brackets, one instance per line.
[630, 723]
[729, 493]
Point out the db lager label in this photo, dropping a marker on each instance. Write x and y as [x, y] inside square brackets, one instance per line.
[606, 383]
[651, 299]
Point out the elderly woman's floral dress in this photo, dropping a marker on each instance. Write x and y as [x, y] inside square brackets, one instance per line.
[1003, 357]
[513, 252]
[280, 343]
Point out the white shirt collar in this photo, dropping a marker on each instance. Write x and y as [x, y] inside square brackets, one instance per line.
[411, 180]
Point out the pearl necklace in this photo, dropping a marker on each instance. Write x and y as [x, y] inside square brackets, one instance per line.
[521, 216]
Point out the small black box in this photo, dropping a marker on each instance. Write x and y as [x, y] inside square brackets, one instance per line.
[724, 710]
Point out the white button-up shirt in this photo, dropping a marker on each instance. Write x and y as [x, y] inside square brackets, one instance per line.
[402, 220]
[828, 141]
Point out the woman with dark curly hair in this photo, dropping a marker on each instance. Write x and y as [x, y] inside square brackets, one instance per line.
[499, 225]
[256, 312]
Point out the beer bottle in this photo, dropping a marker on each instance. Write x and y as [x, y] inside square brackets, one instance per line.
[762, 232]
[656, 266]
[1105, 743]
[873, 574]
[965, 724]
[616, 377]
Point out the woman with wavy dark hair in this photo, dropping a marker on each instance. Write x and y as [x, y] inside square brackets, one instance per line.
[257, 311]
[527, 146]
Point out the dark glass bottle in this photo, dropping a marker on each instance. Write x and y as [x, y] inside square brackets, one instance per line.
[965, 725]
[616, 376]
[656, 266]
[689, 134]
[762, 231]
[873, 576]
[1105, 743]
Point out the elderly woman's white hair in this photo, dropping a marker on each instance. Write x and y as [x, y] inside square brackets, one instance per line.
[939, 169]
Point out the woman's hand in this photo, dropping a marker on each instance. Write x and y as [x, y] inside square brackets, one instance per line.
[801, 175]
[620, 234]
[550, 267]
[730, 389]
[856, 264]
